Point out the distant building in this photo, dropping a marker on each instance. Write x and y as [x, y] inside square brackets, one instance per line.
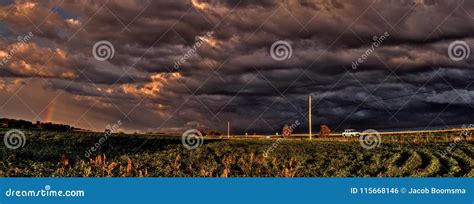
[3, 123]
[38, 125]
[214, 133]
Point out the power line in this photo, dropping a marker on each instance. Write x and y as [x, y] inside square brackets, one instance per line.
[302, 114]
[373, 101]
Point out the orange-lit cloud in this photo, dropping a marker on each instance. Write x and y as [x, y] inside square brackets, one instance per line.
[29, 59]
[150, 89]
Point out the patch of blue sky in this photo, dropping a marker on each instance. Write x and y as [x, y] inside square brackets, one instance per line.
[6, 2]
[65, 14]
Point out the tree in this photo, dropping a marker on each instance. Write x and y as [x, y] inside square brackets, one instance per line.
[324, 131]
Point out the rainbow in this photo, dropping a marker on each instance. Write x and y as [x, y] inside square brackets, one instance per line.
[48, 115]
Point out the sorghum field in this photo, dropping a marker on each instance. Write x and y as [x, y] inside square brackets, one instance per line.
[54, 154]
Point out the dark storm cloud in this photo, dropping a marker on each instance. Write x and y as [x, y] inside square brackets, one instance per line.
[408, 81]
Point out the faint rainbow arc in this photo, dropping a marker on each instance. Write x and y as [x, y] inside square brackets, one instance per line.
[48, 116]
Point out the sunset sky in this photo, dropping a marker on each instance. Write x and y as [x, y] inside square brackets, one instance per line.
[201, 63]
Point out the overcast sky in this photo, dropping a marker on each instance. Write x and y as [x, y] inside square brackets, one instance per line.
[201, 63]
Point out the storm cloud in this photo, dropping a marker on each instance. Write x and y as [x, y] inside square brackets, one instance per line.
[200, 63]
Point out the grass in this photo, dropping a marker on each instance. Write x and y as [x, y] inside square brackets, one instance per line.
[53, 154]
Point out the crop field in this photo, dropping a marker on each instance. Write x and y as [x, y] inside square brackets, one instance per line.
[55, 154]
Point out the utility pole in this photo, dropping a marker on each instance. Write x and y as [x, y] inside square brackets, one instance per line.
[310, 124]
[228, 129]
